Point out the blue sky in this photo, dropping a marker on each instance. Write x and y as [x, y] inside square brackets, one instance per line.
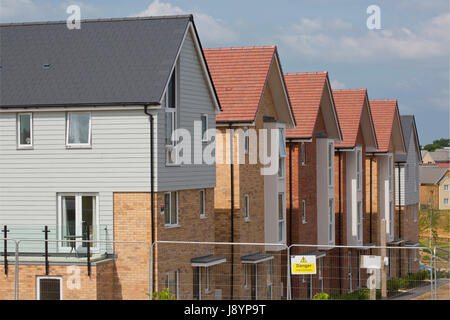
[407, 59]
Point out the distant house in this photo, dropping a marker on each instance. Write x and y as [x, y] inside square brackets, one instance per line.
[435, 187]
[439, 157]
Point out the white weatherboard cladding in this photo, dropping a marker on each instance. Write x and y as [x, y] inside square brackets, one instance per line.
[324, 191]
[352, 200]
[31, 179]
[409, 179]
[194, 99]
[273, 185]
[385, 195]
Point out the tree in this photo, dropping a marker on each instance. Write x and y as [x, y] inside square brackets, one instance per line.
[437, 144]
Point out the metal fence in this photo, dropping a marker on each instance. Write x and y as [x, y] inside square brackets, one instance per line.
[105, 269]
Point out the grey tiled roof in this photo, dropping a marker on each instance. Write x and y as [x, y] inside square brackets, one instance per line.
[107, 61]
[431, 175]
[441, 155]
[408, 127]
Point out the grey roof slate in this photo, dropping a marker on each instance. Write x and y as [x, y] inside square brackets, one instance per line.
[408, 127]
[431, 174]
[107, 61]
[441, 155]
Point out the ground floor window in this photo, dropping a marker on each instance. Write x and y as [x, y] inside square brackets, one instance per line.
[269, 278]
[254, 281]
[172, 282]
[77, 218]
[49, 288]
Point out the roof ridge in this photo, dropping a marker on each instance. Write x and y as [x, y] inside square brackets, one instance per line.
[240, 48]
[383, 100]
[360, 89]
[302, 73]
[190, 16]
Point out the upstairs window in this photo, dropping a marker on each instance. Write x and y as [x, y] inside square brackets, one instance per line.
[359, 221]
[331, 220]
[171, 119]
[246, 207]
[281, 160]
[303, 154]
[391, 219]
[303, 211]
[246, 140]
[445, 187]
[204, 119]
[358, 169]
[78, 129]
[202, 204]
[25, 130]
[390, 164]
[330, 164]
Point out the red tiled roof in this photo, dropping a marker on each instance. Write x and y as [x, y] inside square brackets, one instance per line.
[383, 112]
[239, 75]
[349, 105]
[305, 92]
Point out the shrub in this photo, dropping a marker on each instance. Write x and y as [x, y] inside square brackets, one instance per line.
[321, 296]
[163, 295]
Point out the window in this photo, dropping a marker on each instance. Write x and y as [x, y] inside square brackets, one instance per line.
[303, 211]
[415, 213]
[246, 207]
[206, 279]
[303, 154]
[269, 279]
[78, 216]
[204, 118]
[350, 282]
[320, 273]
[331, 220]
[280, 217]
[246, 140]
[415, 254]
[358, 169]
[390, 164]
[202, 204]
[359, 221]
[172, 282]
[171, 208]
[171, 117]
[391, 219]
[406, 215]
[25, 130]
[446, 187]
[281, 160]
[78, 129]
[446, 201]
[254, 281]
[49, 288]
[330, 164]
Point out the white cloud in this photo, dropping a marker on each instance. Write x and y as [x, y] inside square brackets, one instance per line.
[211, 30]
[429, 39]
[335, 84]
[22, 9]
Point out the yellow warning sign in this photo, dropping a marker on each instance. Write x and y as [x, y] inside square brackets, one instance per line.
[303, 264]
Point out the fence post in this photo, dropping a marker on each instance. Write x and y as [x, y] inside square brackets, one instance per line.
[5, 250]
[46, 231]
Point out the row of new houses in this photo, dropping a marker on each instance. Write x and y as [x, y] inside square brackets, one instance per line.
[87, 147]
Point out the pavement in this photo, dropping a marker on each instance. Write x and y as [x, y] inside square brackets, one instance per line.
[423, 292]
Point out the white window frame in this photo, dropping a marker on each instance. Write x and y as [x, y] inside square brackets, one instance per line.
[330, 163]
[172, 146]
[320, 274]
[390, 170]
[281, 167]
[206, 137]
[303, 153]
[203, 203]
[445, 201]
[169, 212]
[282, 157]
[415, 255]
[281, 222]
[391, 219]
[359, 220]
[78, 219]
[358, 169]
[38, 285]
[331, 224]
[177, 278]
[445, 187]
[24, 146]
[78, 145]
[303, 211]
[415, 210]
[246, 207]
[246, 140]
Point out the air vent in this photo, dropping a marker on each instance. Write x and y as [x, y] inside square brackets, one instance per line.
[46, 65]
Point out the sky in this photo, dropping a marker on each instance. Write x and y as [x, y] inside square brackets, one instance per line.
[406, 59]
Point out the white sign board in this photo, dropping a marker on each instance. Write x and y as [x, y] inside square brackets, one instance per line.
[371, 262]
[303, 264]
